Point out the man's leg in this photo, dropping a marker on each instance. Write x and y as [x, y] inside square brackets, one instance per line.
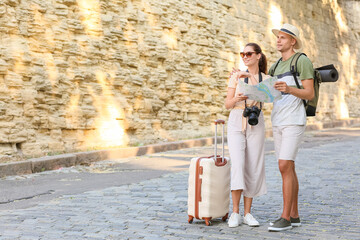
[294, 213]
[287, 170]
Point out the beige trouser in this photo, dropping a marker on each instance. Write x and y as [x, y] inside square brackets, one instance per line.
[247, 155]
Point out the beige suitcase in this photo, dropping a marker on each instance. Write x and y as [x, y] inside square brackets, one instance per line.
[209, 185]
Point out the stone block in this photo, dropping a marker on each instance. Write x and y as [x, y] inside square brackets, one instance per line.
[52, 162]
[16, 168]
[17, 135]
[3, 67]
[41, 83]
[29, 110]
[57, 122]
[14, 110]
[107, 18]
[85, 158]
[31, 149]
[6, 149]
[2, 9]
[137, 80]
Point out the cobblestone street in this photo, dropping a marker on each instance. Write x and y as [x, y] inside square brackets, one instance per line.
[157, 208]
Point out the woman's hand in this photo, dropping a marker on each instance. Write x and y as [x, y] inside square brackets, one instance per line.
[240, 74]
[232, 98]
[240, 97]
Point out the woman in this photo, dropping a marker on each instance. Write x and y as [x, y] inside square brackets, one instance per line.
[246, 142]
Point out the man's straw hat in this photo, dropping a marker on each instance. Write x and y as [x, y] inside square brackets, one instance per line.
[290, 30]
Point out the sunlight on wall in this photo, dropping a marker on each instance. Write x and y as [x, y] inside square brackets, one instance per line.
[131, 36]
[347, 62]
[52, 71]
[339, 16]
[110, 129]
[169, 37]
[90, 11]
[72, 110]
[348, 74]
[206, 71]
[275, 16]
[40, 19]
[241, 66]
[18, 53]
[184, 87]
[151, 18]
[49, 36]
[342, 109]
[308, 34]
[231, 61]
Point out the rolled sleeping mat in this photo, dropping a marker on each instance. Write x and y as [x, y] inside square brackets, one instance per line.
[328, 73]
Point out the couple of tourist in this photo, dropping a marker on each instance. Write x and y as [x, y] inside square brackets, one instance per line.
[246, 142]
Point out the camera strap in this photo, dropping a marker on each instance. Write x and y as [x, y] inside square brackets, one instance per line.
[246, 80]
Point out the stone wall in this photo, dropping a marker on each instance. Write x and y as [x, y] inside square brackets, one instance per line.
[85, 74]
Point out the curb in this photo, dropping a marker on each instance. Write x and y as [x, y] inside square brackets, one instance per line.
[41, 164]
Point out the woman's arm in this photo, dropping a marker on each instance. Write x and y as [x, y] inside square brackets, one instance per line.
[231, 99]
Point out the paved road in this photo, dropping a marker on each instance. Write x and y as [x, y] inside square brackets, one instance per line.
[146, 197]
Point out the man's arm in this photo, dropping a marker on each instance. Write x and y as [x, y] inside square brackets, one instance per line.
[306, 93]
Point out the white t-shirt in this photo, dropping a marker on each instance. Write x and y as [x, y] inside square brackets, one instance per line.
[290, 110]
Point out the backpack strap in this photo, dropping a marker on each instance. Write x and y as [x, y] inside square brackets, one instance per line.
[246, 80]
[293, 70]
[271, 73]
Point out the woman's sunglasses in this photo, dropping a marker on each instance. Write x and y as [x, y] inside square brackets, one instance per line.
[247, 54]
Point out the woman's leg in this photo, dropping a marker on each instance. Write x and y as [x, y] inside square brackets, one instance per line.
[247, 205]
[236, 195]
[236, 144]
[254, 169]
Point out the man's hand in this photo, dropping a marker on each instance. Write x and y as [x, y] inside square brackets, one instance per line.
[307, 92]
[282, 87]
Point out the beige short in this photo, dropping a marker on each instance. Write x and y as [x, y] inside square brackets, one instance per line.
[287, 140]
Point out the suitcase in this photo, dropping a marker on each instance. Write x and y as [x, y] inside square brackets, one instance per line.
[209, 185]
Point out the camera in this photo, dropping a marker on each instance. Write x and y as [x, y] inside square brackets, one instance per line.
[253, 114]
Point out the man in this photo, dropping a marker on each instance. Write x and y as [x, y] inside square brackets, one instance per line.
[289, 119]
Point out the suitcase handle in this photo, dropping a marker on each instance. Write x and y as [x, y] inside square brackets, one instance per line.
[219, 121]
[219, 161]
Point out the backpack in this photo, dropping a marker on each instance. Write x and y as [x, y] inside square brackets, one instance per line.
[326, 73]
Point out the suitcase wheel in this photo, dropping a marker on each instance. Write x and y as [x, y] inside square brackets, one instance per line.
[191, 218]
[207, 222]
[225, 217]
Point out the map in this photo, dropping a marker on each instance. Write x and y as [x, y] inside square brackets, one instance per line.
[262, 92]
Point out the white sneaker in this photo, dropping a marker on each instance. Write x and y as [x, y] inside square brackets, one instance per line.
[250, 220]
[234, 220]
